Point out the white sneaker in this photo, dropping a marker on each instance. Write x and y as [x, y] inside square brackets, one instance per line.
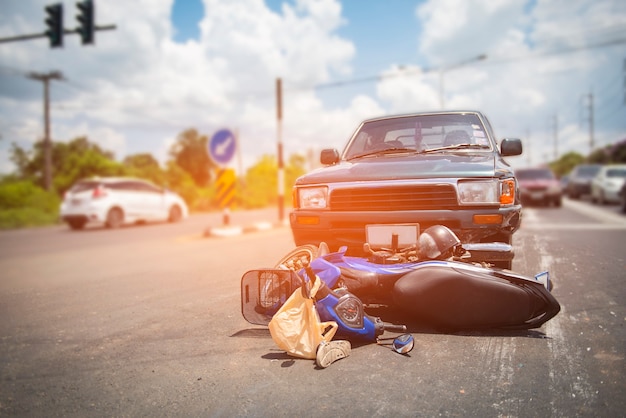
[328, 353]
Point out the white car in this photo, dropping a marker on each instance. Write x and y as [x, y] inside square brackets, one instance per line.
[607, 183]
[114, 201]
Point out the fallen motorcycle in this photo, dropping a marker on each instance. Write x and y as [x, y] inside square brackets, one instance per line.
[264, 291]
[430, 278]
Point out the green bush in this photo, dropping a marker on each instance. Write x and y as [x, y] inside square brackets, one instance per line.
[22, 203]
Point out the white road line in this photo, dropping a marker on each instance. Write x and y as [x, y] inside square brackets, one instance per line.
[601, 215]
[565, 360]
[607, 220]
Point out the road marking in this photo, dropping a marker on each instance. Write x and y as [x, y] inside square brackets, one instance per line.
[564, 364]
[572, 227]
[607, 220]
[603, 216]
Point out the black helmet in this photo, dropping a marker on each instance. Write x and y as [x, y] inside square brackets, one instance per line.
[437, 242]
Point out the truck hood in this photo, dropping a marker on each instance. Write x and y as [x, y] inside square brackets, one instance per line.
[400, 167]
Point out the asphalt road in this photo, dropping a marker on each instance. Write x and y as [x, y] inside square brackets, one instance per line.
[145, 321]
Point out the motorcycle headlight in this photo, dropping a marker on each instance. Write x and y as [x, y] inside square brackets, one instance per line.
[350, 311]
[488, 192]
[313, 197]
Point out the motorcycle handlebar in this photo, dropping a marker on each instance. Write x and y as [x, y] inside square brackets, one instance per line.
[395, 328]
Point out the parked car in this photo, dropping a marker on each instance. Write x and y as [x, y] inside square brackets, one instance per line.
[539, 185]
[426, 168]
[114, 201]
[579, 183]
[607, 183]
[622, 195]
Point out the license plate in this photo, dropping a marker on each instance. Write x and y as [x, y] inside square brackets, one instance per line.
[536, 195]
[383, 235]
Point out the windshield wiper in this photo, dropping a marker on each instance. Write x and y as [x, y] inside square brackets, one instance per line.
[454, 148]
[383, 152]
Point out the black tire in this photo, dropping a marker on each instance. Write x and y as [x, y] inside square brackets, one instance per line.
[308, 250]
[77, 224]
[115, 218]
[176, 214]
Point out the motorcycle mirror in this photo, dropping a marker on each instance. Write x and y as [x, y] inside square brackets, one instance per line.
[401, 344]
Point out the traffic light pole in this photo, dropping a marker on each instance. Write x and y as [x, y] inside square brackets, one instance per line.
[45, 35]
[56, 31]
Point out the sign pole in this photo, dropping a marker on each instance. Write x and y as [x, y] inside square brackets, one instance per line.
[221, 149]
[279, 117]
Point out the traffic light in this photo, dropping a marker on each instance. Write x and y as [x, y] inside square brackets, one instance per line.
[54, 23]
[86, 21]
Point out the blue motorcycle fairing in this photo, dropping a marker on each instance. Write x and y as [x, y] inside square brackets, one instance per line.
[327, 309]
[329, 267]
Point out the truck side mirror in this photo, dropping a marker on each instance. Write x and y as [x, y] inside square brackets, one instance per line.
[510, 147]
[329, 156]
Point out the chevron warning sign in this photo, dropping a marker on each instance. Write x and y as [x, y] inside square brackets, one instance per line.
[225, 184]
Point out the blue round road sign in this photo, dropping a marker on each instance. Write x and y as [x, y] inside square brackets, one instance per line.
[222, 147]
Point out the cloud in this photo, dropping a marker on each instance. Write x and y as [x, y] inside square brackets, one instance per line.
[544, 59]
[136, 89]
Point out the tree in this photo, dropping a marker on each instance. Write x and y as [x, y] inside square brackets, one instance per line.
[294, 169]
[71, 161]
[566, 163]
[611, 154]
[145, 166]
[189, 153]
[181, 181]
[260, 184]
[260, 188]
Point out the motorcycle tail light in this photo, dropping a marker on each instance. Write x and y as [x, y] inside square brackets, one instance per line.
[350, 311]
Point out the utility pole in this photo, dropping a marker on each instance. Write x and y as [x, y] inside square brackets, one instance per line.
[279, 135]
[624, 75]
[555, 127]
[591, 139]
[47, 142]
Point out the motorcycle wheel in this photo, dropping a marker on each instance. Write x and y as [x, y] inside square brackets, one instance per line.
[307, 251]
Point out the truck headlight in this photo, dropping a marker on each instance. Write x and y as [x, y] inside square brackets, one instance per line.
[478, 192]
[488, 192]
[313, 197]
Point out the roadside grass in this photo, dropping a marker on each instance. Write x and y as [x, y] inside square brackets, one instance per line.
[23, 204]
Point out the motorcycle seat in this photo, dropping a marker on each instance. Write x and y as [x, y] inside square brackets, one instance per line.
[357, 281]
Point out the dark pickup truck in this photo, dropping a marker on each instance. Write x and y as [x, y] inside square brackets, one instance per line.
[425, 168]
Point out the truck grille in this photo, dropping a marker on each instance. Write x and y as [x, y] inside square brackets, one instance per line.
[437, 196]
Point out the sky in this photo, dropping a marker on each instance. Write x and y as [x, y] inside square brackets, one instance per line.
[551, 72]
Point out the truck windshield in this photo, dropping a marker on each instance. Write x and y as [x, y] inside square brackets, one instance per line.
[419, 133]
